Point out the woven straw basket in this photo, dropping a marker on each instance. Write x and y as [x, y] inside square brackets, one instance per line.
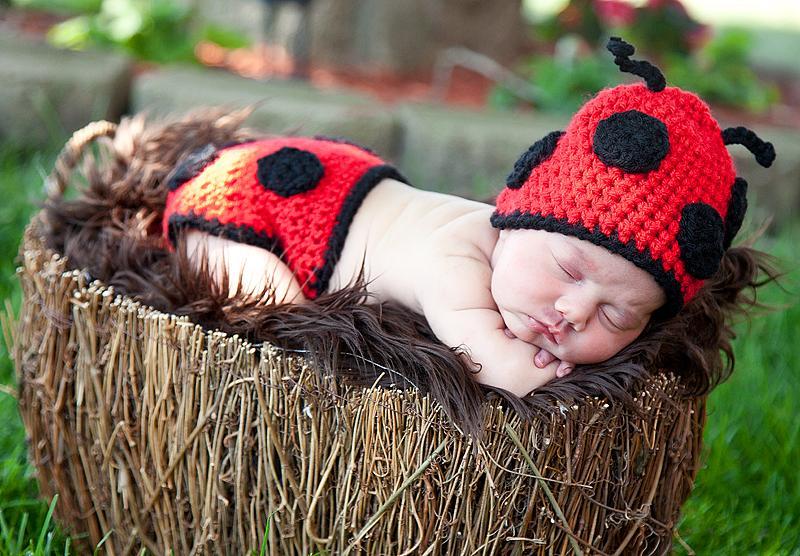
[161, 435]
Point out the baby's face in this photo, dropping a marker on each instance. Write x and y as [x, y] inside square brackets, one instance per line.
[575, 299]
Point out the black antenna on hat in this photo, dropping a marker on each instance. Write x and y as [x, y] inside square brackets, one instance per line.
[762, 150]
[622, 52]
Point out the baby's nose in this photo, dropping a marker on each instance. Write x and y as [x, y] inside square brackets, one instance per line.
[577, 324]
[572, 312]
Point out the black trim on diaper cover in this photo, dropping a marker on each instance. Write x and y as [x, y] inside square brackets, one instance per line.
[643, 259]
[358, 193]
[235, 232]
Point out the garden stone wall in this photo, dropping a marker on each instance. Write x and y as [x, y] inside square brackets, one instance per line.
[463, 151]
[47, 94]
[279, 106]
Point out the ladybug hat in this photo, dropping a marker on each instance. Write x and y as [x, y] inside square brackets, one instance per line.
[643, 171]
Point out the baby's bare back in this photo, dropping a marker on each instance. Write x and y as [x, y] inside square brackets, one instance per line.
[427, 251]
[411, 241]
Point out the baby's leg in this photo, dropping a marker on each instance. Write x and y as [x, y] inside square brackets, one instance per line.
[257, 268]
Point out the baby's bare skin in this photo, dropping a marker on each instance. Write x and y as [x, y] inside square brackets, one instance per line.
[434, 254]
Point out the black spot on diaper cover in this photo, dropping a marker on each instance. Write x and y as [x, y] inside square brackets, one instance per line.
[700, 237]
[632, 141]
[289, 171]
[191, 166]
[540, 151]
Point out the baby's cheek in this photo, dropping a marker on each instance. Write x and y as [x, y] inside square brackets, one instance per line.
[504, 289]
[598, 347]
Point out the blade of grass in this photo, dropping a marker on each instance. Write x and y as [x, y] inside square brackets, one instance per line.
[5, 534]
[46, 526]
[102, 542]
[21, 533]
[266, 536]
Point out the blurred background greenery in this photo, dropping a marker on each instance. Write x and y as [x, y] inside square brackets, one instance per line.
[742, 57]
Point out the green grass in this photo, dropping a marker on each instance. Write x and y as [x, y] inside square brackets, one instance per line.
[747, 497]
[26, 526]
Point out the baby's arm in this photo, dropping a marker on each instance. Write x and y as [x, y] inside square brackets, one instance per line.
[254, 266]
[462, 312]
[504, 362]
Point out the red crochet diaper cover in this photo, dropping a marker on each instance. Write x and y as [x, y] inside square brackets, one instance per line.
[293, 196]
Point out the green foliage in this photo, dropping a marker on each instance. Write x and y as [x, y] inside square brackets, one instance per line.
[60, 6]
[663, 27]
[145, 29]
[561, 85]
[719, 73]
[160, 31]
[663, 32]
[578, 17]
[660, 26]
[222, 36]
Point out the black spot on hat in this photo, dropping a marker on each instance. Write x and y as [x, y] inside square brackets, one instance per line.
[632, 141]
[700, 237]
[737, 206]
[540, 151]
[289, 171]
[191, 166]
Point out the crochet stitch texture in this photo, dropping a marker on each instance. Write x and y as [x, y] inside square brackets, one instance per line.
[294, 196]
[644, 172]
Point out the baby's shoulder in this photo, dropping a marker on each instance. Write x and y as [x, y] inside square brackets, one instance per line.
[459, 272]
[467, 234]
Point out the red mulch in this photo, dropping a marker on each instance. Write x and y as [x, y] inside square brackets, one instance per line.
[465, 88]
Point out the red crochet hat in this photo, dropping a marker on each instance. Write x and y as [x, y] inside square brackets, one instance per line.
[642, 170]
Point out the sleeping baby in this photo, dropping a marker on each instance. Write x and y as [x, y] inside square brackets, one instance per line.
[612, 223]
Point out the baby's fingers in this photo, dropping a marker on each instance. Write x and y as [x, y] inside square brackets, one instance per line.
[543, 358]
[564, 369]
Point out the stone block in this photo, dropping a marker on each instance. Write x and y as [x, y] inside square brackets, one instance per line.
[280, 106]
[49, 93]
[465, 152]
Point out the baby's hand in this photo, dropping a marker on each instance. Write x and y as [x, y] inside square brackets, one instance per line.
[544, 358]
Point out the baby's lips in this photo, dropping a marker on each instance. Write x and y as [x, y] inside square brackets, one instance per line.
[540, 328]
